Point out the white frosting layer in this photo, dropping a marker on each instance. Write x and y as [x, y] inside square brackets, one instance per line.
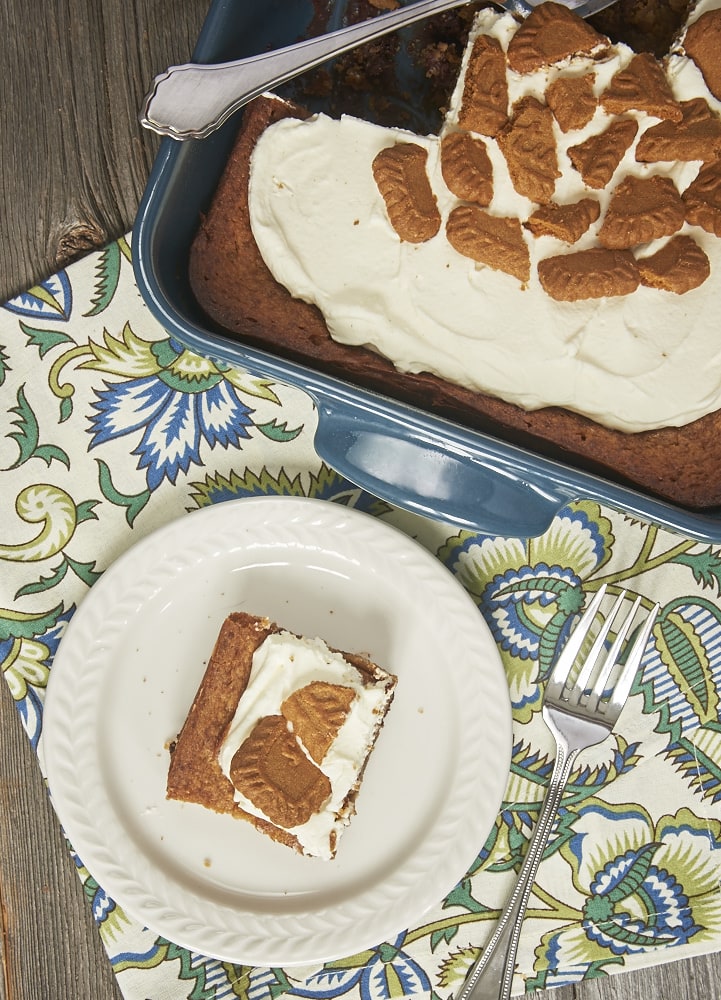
[636, 362]
[284, 663]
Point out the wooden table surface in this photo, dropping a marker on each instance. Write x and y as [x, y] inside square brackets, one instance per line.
[72, 169]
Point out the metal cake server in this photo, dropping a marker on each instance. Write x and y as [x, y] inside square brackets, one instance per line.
[192, 100]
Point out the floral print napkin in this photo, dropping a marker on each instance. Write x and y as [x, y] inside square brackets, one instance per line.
[111, 429]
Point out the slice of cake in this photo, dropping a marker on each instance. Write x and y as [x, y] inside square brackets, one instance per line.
[280, 732]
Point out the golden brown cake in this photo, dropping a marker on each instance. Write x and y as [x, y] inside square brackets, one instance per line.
[234, 286]
[279, 733]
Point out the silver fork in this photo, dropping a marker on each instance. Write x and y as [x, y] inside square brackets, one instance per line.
[579, 716]
[192, 100]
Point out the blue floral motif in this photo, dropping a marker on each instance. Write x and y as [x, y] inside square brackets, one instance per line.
[506, 600]
[52, 638]
[669, 917]
[30, 704]
[175, 418]
[330, 981]
[51, 299]
[389, 969]
[649, 886]
[530, 591]
[102, 906]
[31, 713]
[6, 646]
[387, 972]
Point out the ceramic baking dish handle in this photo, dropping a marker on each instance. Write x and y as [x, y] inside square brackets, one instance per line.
[457, 481]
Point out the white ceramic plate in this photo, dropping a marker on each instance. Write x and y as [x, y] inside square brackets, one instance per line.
[126, 673]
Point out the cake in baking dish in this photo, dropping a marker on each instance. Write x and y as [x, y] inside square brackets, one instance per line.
[280, 732]
[544, 269]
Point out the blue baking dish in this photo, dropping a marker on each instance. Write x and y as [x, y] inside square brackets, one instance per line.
[413, 459]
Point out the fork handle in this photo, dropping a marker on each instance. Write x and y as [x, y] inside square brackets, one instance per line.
[491, 977]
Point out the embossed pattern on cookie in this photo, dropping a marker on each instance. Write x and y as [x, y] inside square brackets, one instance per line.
[466, 167]
[529, 147]
[272, 771]
[589, 274]
[703, 44]
[678, 266]
[552, 32]
[641, 86]
[641, 209]
[696, 137]
[572, 101]
[316, 713]
[400, 174]
[597, 157]
[484, 105]
[702, 198]
[489, 239]
[564, 222]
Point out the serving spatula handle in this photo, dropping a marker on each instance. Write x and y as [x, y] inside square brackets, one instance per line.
[192, 100]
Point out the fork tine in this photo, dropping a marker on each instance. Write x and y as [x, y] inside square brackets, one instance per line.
[599, 642]
[567, 658]
[615, 651]
[623, 685]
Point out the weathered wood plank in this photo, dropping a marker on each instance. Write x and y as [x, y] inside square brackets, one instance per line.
[49, 946]
[74, 159]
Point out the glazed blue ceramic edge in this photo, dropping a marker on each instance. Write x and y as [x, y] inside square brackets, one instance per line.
[412, 459]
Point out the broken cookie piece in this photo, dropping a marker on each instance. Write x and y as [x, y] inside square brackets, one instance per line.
[484, 104]
[703, 44]
[564, 222]
[597, 158]
[702, 199]
[529, 147]
[641, 209]
[489, 239]
[316, 713]
[641, 86]
[589, 274]
[678, 266]
[550, 33]
[572, 101]
[696, 137]
[400, 173]
[466, 167]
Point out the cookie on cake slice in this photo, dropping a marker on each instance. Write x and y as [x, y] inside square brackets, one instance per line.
[279, 733]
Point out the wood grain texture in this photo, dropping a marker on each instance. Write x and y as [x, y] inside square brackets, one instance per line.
[73, 166]
[43, 912]
[74, 159]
